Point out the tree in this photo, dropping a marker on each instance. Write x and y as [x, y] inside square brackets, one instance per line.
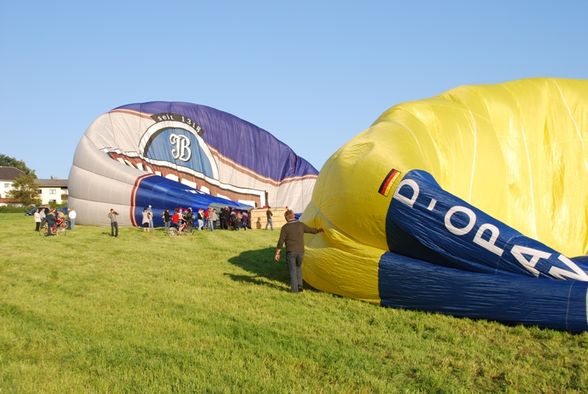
[25, 190]
[12, 162]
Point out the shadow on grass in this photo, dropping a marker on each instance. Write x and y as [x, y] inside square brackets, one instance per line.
[260, 263]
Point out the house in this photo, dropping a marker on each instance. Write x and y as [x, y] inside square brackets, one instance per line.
[7, 176]
[50, 190]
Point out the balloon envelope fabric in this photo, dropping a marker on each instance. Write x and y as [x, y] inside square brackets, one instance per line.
[181, 155]
[472, 203]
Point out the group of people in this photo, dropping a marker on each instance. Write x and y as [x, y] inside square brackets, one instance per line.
[54, 219]
[186, 219]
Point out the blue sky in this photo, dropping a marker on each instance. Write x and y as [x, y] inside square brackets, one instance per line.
[312, 73]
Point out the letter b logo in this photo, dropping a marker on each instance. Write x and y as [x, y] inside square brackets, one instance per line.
[180, 147]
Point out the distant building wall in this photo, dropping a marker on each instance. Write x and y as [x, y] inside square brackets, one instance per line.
[5, 187]
[53, 191]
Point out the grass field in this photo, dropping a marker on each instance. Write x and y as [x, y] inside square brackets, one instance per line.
[211, 312]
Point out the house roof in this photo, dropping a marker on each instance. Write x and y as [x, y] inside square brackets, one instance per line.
[52, 182]
[10, 173]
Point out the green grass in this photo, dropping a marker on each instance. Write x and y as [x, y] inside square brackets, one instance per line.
[211, 312]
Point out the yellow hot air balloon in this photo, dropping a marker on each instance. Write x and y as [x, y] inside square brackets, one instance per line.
[480, 187]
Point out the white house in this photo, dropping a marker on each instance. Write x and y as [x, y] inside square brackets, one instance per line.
[50, 190]
[7, 176]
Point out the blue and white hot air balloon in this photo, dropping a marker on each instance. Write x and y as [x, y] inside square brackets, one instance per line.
[172, 154]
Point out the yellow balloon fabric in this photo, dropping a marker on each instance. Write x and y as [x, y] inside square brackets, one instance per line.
[517, 151]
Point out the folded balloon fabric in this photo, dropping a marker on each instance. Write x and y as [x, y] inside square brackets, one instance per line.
[471, 203]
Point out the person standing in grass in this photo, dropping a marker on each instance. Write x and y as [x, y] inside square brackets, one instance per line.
[166, 219]
[292, 234]
[44, 212]
[150, 217]
[245, 220]
[212, 217]
[37, 216]
[72, 214]
[269, 222]
[51, 222]
[113, 216]
[175, 221]
[146, 220]
[200, 218]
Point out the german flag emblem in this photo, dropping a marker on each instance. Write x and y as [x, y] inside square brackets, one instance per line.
[388, 181]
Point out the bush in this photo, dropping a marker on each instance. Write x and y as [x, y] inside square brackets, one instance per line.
[13, 209]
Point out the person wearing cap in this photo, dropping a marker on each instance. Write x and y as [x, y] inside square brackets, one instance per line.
[292, 234]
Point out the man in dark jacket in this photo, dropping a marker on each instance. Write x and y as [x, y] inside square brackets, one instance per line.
[292, 233]
[51, 222]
